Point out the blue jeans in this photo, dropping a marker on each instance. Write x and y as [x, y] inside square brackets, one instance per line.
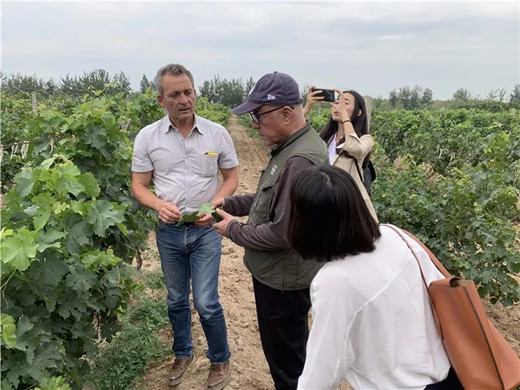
[189, 252]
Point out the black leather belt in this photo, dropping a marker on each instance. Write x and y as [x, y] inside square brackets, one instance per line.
[184, 224]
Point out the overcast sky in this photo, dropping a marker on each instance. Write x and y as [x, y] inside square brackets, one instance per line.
[372, 47]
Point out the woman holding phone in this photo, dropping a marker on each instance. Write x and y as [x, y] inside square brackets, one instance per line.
[347, 136]
[372, 322]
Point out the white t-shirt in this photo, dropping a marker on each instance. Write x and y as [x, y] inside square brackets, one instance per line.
[372, 321]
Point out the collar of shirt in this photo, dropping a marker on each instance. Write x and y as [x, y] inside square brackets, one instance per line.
[167, 125]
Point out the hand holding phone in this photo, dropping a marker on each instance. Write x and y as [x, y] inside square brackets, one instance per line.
[329, 95]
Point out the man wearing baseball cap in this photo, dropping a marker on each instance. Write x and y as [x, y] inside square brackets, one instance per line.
[281, 278]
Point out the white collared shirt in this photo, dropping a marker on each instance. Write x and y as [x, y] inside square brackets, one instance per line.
[372, 321]
[185, 170]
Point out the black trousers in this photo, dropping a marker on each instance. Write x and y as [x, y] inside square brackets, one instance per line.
[284, 329]
[450, 383]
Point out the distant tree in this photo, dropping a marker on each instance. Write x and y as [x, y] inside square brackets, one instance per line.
[463, 94]
[96, 80]
[146, 84]
[515, 95]
[393, 99]
[427, 97]
[227, 92]
[70, 86]
[415, 97]
[16, 84]
[51, 87]
[404, 96]
[233, 93]
[121, 83]
[208, 90]
[496, 95]
[410, 98]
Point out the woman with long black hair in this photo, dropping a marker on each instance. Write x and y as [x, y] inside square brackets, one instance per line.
[347, 136]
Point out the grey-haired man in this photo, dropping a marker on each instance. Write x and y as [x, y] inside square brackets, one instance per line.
[182, 154]
[281, 278]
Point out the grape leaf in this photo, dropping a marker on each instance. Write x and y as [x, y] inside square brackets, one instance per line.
[102, 214]
[19, 250]
[188, 218]
[206, 208]
[8, 329]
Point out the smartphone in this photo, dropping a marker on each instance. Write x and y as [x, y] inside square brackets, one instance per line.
[329, 95]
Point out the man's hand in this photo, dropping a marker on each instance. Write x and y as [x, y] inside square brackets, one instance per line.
[169, 213]
[204, 220]
[221, 226]
[217, 203]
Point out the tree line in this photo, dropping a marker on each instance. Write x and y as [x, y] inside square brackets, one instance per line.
[232, 92]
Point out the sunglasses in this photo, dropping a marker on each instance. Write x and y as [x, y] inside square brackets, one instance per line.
[256, 117]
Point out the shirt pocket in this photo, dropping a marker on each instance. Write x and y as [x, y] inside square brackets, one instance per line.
[210, 165]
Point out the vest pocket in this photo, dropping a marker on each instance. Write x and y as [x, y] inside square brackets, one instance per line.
[261, 205]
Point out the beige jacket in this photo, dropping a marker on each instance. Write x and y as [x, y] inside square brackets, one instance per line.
[358, 148]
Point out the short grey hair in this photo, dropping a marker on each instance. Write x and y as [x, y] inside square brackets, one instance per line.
[173, 70]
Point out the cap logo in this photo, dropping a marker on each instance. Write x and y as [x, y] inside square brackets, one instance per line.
[270, 97]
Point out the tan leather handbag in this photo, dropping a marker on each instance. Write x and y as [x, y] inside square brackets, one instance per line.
[480, 356]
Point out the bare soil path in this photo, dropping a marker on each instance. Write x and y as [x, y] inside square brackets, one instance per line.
[249, 370]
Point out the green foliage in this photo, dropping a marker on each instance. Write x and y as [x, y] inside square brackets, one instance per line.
[319, 116]
[463, 94]
[146, 85]
[410, 98]
[214, 112]
[244, 120]
[515, 95]
[205, 208]
[72, 87]
[142, 110]
[447, 139]
[8, 329]
[54, 383]
[69, 220]
[94, 136]
[61, 284]
[155, 280]
[92, 82]
[229, 93]
[121, 364]
[451, 177]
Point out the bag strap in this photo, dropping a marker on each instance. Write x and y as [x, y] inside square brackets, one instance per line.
[372, 170]
[413, 252]
[433, 258]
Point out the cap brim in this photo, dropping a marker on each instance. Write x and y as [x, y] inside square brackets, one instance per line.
[246, 107]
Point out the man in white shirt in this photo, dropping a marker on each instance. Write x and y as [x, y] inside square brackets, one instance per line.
[182, 155]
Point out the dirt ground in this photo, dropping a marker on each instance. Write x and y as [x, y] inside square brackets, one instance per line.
[249, 370]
